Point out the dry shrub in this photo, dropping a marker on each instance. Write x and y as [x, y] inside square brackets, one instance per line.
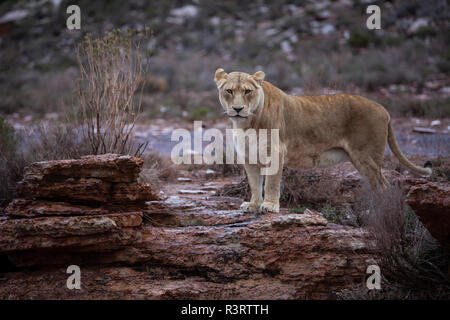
[39, 143]
[54, 142]
[11, 167]
[112, 69]
[239, 190]
[315, 187]
[412, 263]
[441, 169]
[157, 169]
[298, 187]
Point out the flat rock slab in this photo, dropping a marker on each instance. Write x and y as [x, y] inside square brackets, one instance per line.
[26, 208]
[301, 258]
[108, 167]
[150, 283]
[431, 203]
[60, 232]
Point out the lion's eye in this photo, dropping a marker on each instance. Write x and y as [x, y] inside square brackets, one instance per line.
[248, 91]
[230, 91]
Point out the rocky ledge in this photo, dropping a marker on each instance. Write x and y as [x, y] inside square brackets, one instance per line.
[70, 207]
[128, 243]
[431, 203]
[192, 249]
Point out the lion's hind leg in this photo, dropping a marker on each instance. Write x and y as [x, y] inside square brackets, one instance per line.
[369, 168]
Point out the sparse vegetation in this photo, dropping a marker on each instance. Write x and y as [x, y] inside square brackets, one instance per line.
[285, 39]
[413, 265]
[157, 169]
[299, 188]
[10, 166]
[41, 142]
[313, 187]
[303, 49]
[111, 69]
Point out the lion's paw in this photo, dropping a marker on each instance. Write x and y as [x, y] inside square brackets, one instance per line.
[268, 207]
[249, 207]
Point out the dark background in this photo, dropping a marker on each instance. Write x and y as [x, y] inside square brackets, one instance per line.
[302, 46]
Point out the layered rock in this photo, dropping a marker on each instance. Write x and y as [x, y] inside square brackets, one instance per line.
[277, 256]
[106, 167]
[190, 246]
[431, 203]
[69, 207]
[96, 180]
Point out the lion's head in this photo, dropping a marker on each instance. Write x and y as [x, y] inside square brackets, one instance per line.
[240, 93]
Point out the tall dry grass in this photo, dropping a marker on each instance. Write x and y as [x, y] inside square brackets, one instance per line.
[40, 142]
[412, 263]
[109, 91]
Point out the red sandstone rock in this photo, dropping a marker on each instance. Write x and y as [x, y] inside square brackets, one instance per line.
[59, 232]
[107, 167]
[84, 190]
[34, 208]
[188, 249]
[132, 283]
[272, 257]
[431, 203]
[132, 192]
[76, 187]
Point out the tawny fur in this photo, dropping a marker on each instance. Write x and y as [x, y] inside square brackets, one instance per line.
[315, 131]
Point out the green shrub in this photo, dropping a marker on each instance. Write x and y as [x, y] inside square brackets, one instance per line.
[358, 39]
[10, 166]
[199, 113]
[8, 142]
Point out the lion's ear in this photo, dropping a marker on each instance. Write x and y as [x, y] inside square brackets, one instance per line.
[220, 75]
[259, 77]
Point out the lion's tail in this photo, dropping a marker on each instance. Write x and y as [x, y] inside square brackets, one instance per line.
[425, 171]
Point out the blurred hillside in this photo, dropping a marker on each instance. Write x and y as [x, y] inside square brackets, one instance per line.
[303, 46]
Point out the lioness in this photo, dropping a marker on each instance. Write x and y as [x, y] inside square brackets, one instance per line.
[314, 131]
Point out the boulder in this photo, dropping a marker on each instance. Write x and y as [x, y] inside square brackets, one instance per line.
[72, 208]
[298, 256]
[186, 246]
[107, 167]
[88, 186]
[123, 193]
[431, 203]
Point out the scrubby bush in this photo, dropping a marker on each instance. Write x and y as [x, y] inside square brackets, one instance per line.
[407, 105]
[299, 188]
[112, 71]
[157, 169]
[412, 264]
[10, 166]
[39, 143]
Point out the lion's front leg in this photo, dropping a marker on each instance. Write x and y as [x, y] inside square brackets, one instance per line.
[255, 180]
[271, 201]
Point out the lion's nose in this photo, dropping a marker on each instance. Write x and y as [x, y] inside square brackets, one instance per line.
[238, 108]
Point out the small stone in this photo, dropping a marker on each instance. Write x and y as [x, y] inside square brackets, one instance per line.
[182, 179]
[435, 123]
[424, 130]
[184, 191]
[308, 218]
